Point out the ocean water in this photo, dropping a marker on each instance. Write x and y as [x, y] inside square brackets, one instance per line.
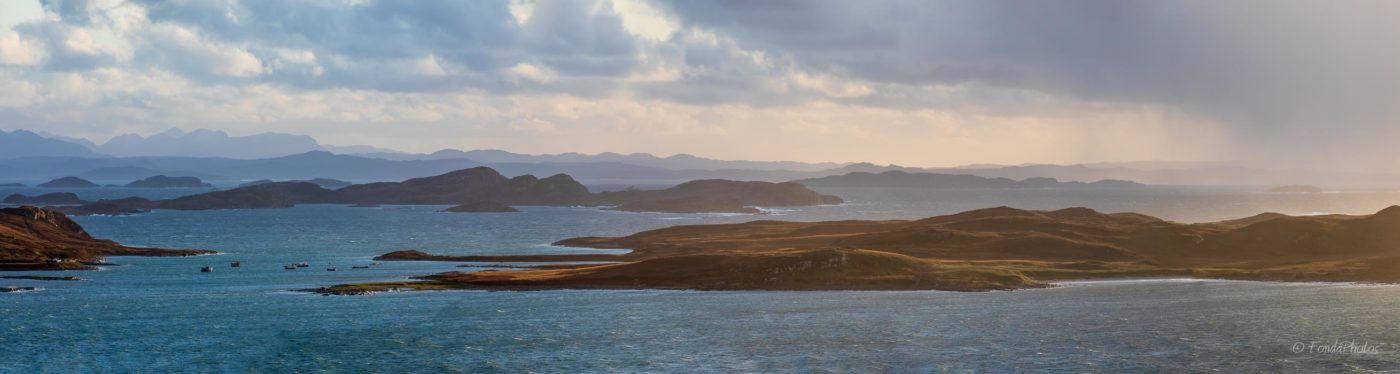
[163, 315]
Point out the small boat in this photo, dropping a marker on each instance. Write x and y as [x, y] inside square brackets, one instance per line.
[376, 263]
[290, 267]
[359, 267]
[303, 265]
[207, 269]
[330, 268]
[235, 264]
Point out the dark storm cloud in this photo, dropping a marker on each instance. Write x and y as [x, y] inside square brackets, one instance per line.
[1259, 65]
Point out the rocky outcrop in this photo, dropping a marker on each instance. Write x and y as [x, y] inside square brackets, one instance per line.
[40, 239]
[161, 181]
[68, 182]
[994, 248]
[56, 198]
[481, 207]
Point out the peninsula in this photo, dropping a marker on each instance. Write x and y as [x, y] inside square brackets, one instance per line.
[40, 239]
[988, 249]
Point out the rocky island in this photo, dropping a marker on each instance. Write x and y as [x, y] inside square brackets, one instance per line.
[161, 181]
[40, 239]
[988, 249]
[68, 182]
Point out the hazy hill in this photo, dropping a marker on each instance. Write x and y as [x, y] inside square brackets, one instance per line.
[675, 162]
[208, 143]
[21, 143]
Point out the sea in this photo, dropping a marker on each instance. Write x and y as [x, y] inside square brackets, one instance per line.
[164, 315]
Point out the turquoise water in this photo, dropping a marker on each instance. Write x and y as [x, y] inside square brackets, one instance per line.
[162, 314]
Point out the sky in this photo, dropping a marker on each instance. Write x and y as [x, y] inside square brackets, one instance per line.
[918, 82]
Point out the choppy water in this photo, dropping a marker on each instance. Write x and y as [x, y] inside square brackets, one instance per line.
[162, 314]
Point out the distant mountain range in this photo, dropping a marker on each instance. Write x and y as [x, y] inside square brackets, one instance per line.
[20, 143]
[218, 144]
[216, 156]
[676, 162]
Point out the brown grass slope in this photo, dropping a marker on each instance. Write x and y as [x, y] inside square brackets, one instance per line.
[40, 239]
[992, 248]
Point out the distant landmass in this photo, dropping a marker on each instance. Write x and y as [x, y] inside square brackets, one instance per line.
[326, 183]
[219, 156]
[136, 172]
[40, 239]
[717, 196]
[56, 198]
[69, 182]
[469, 185]
[987, 249]
[161, 181]
[674, 162]
[933, 180]
[20, 143]
[488, 187]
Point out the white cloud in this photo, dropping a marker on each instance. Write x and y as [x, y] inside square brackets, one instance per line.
[533, 72]
[184, 50]
[17, 50]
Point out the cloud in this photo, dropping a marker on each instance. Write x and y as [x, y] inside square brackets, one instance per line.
[70, 11]
[1258, 78]
[1268, 69]
[20, 51]
[183, 50]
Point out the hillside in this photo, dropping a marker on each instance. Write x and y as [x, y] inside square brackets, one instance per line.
[40, 239]
[992, 248]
